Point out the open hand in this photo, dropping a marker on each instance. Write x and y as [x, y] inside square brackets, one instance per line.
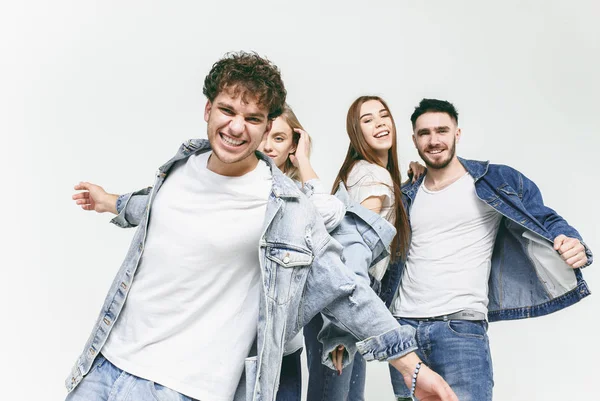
[95, 198]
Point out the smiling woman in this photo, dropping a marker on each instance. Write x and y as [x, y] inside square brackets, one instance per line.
[371, 175]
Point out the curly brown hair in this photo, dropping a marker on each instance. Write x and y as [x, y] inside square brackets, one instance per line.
[247, 74]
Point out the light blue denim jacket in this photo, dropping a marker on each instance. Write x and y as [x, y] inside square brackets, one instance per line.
[302, 274]
[528, 277]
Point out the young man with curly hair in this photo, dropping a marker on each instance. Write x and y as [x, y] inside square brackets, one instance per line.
[205, 318]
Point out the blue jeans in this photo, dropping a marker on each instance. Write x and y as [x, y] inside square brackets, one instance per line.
[324, 384]
[459, 351]
[106, 382]
[290, 381]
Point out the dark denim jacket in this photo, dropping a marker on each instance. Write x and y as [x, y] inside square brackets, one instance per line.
[528, 277]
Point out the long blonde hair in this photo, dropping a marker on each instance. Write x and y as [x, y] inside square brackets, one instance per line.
[359, 149]
[290, 119]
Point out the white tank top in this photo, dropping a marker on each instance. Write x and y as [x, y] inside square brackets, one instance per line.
[449, 258]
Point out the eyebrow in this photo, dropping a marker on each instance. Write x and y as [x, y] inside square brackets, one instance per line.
[279, 133]
[229, 106]
[437, 129]
[370, 114]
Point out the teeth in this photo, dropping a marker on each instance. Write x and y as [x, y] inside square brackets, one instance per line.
[231, 141]
[435, 152]
[383, 133]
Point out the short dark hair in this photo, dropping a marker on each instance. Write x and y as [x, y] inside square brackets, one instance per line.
[248, 74]
[435, 106]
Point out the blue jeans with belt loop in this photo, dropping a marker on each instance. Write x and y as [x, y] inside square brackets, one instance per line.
[459, 351]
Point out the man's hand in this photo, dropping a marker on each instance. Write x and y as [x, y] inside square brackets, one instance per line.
[571, 250]
[430, 385]
[337, 356]
[95, 198]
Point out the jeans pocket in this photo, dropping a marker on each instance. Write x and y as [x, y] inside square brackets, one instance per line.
[467, 328]
[162, 393]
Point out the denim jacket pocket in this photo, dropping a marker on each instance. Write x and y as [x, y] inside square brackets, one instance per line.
[286, 269]
[508, 190]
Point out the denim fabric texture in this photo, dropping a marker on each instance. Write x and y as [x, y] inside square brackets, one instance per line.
[324, 384]
[106, 382]
[302, 274]
[528, 278]
[459, 351]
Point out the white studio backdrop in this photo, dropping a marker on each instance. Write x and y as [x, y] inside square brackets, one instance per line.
[105, 91]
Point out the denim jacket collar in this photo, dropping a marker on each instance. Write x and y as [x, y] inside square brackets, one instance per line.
[281, 187]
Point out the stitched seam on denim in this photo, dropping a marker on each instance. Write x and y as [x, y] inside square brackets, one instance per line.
[468, 335]
[540, 306]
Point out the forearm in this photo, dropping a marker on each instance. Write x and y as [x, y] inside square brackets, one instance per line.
[108, 203]
[306, 171]
[406, 364]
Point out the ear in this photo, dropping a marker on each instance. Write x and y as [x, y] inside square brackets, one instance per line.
[414, 138]
[207, 110]
[458, 134]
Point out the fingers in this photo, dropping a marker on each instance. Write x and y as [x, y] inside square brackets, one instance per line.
[304, 137]
[81, 195]
[82, 186]
[339, 357]
[571, 250]
[558, 241]
[580, 263]
[570, 247]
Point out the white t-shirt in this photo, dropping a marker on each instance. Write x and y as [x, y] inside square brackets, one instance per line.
[192, 312]
[449, 258]
[366, 180]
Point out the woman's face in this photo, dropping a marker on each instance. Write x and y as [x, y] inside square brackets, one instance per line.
[279, 143]
[376, 126]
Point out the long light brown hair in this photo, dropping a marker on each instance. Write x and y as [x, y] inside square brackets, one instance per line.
[290, 119]
[359, 149]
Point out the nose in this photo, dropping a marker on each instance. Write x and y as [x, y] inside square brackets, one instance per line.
[237, 125]
[434, 139]
[266, 145]
[379, 122]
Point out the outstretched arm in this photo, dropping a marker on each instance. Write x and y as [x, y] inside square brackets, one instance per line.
[130, 208]
[95, 198]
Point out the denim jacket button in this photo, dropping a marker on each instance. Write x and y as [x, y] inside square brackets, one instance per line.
[286, 260]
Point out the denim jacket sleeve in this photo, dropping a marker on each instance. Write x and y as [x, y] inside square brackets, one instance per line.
[552, 221]
[350, 304]
[362, 246]
[131, 208]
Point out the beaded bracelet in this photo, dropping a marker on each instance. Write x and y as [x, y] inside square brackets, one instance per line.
[414, 380]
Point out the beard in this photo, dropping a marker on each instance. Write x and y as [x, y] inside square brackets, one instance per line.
[439, 164]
